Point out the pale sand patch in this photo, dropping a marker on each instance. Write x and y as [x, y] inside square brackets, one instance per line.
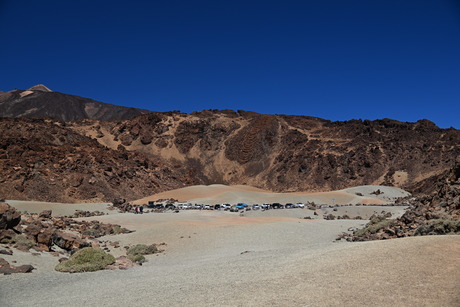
[218, 194]
[216, 258]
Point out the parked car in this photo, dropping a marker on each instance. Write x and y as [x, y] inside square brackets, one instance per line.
[277, 206]
[300, 205]
[265, 206]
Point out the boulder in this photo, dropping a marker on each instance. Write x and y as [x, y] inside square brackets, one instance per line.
[9, 216]
[6, 268]
[46, 214]
[67, 241]
[6, 235]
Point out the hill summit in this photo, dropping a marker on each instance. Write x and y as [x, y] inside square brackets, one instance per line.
[40, 87]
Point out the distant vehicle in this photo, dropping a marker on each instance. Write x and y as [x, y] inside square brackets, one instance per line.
[289, 206]
[277, 206]
[241, 206]
[300, 205]
[170, 206]
[207, 207]
[255, 207]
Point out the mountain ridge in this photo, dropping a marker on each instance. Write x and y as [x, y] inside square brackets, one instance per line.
[40, 101]
[281, 153]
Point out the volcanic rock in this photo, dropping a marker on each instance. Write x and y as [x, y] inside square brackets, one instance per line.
[6, 268]
[9, 216]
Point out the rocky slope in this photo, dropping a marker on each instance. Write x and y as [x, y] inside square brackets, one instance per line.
[437, 213]
[46, 160]
[40, 101]
[287, 153]
[92, 160]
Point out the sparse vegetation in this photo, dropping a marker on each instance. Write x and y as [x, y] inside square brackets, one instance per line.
[373, 226]
[23, 241]
[117, 229]
[438, 227]
[87, 259]
[137, 252]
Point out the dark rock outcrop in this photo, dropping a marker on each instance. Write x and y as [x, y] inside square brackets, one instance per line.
[9, 216]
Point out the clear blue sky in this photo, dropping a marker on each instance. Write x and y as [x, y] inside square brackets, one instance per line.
[332, 59]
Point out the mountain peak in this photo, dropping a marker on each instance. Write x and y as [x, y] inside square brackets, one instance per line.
[40, 87]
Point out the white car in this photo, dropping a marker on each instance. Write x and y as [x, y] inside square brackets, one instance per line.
[300, 205]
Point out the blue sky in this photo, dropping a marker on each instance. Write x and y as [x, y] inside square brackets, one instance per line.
[332, 59]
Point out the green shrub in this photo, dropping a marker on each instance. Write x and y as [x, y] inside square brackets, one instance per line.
[87, 259]
[117, 229]
[142, 249]
[373, 226]
[136, 258]
[137, 252]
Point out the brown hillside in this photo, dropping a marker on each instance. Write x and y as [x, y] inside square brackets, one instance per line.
[287, 153]
[46, 160]
[90, 160]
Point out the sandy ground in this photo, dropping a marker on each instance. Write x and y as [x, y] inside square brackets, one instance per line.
[218, 194]
[270, 258]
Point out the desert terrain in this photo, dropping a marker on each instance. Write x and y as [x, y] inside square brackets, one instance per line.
[252, 258]
[62, 155]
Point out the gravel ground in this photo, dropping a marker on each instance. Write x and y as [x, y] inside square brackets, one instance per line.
[218, 258]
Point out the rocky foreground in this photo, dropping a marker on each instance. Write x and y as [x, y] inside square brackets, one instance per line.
[59, 236]
[435, 214]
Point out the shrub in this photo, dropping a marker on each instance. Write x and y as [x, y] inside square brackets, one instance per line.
[373, 226]
[136, 258]
[117, 229]
[137, 252]
[87, 259]
[142, 249]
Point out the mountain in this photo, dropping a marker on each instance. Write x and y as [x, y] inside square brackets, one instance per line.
[90, 160]
[93, 159]
[40, 101]
[287, 153]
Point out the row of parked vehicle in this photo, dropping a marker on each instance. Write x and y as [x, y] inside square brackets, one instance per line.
[226, 207]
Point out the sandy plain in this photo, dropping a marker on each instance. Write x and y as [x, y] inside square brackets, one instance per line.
[270, 258]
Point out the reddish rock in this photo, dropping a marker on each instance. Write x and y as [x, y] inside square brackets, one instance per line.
[9, 216]
[45, 238]
[6, 235]
[6, 268]
[68, 241]
[46, 214]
